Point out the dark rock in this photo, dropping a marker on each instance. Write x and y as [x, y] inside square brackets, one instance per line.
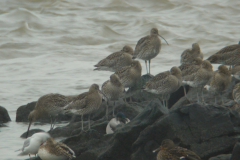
[31, 132]
[236, 152]
[95, 145]
[208, 130]
[4, 116]
[222, 157]
[23, 112]
[2, 125]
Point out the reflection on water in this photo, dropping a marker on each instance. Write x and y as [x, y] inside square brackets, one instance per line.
[50, 46]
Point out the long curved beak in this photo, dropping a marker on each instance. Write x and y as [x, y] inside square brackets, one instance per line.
[156, 150]
[163, 38]
[28, 129]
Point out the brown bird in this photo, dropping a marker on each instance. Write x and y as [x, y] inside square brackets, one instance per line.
[129, 75]
[236, 93]
[52, 150]
[116, 60]
[235, 71]
[91, 102]
[188, 69]
[229, 48]
[168, 151]
[148, 47]
[112, 89]
[164, 84]
[200, 78]
[219, 81]
[49, 104]
[189, 54]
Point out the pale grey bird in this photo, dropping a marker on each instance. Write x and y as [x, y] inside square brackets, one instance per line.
[116, 60]
[91, 102]
[219, 81]
[113, 90]
[52, 150]
[190, 54]
[165, 84]
[148, 47]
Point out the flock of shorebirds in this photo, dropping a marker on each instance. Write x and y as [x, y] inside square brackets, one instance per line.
[194, 71]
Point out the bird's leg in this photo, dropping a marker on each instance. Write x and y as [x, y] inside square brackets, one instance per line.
[149, 65]
[215, 100]
[113, 108]
[82, 122]
[35, 155]
[54, 123]
[107, 111]
[89, 121]
[163, 101]
[146, 66]
[29, 156]
[222, 97]
[198, 96]
[51, 123]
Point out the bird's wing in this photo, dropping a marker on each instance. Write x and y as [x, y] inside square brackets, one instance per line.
[26, 143]
[63, 149]
[183, 152]
[228, 48]
[122, 72]
[142, 43]
[109, 60]
[78, 104]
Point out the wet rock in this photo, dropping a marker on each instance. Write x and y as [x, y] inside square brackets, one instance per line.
[221, 157]
[31, 132]
[236, 152]
[4, 116]
[206, 130]
[23, 112]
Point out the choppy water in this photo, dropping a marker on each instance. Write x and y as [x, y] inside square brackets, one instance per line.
[49, 46]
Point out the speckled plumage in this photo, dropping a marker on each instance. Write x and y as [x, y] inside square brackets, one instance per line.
[116, 60]
[220, 80]
[129, 75]
[49, 104]
[226, 58]
[52, 150]
[87, 103]
[112, 89]
[200, 78]
[229, 48]
[168, 151]
[236, 93]
[235, 71]
[190, 54]
[148, 47]
[164, 84]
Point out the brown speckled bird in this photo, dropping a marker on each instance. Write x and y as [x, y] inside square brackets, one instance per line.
[112, 89]
[200, 78]
[219, 81]
[236, 93]
[165, 83]
[229, 48]
[129, 75]
[189, 69]
[52, 150]
[189, 54]
[168, 151]
[116, 60]
[148, 47]
[49, 104]
[91, 102]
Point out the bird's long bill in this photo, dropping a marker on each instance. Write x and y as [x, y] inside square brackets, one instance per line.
[103, 94]
[28, 129]
[163, 38]
[156, 150]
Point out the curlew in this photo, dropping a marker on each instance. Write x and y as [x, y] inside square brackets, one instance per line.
[148, 47]
[114, 122]
[164, 84]
[189, 54]
[200, 78]
[91, 102]
[49, 104]
[168, 151]
[52, 150]
[31, 144]
[116, 60]
[219, 81]
[112, 89]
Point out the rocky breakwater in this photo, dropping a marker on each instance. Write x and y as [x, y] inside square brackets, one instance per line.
[4, 116]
